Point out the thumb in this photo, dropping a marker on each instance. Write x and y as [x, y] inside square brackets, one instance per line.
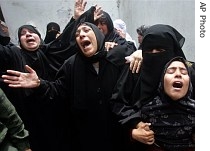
[29, 69]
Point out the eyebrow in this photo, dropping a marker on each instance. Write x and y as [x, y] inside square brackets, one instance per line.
[182, 68]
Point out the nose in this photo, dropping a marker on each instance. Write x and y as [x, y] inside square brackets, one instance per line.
[28, 34]
[82, 33]
[178, 73]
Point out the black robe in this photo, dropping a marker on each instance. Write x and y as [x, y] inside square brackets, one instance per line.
[92, 124]
[36, 112]
[131, 91]
[173, 121]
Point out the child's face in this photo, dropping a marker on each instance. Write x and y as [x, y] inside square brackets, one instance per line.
[176, 80]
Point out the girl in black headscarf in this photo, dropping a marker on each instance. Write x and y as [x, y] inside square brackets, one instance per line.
[160, 44]
[172, 111]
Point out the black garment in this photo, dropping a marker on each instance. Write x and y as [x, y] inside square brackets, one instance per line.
[112, 35]
[173, 122]
[131, 92]
[162, 37]
[37, 112]
[52, 30]
[4, 34]
[92, 124]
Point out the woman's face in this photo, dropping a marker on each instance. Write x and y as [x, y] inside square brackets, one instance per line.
[86, 40]
[29, 40]
[176, 80]
[140, 38]
[102, 26]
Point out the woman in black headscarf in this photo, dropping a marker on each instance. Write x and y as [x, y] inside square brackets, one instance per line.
[86, 80]
[105, 24]
[172, 111]
[37, 116]
[52, 32]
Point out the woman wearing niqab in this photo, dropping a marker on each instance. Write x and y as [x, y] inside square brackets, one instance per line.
[130, 94]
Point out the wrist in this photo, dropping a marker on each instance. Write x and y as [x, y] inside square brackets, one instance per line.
[132, 135]
[38, 82]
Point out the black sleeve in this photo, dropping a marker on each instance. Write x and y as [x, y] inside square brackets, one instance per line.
[123, 103]
[60, 88]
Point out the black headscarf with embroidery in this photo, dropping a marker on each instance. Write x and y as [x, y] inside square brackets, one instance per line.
[173, 121]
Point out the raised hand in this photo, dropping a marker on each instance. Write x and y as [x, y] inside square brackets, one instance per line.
[79, 8]
[18, 79]
[135, 60]
[110, 45]
[98, 12]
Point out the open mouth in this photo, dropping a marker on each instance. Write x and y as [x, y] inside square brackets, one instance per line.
[177, 84]
[85, 43]
[30, 40]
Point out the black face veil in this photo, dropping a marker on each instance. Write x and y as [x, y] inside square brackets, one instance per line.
[162, 37]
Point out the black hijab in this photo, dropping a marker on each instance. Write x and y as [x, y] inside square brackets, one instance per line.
[37, 59]
[81, 63]
[179, 116]
[158, 37]
[29, 27]
[161, 89]
[111, 36]
[101, 52]
[52, 30]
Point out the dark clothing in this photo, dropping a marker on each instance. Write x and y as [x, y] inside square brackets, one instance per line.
[11, 126]
[46, 126]
[112, 35]
[52, 30]
[173, 122]
[92, 124]
[133, 93]
[158, 148]
[4, 34]
[37, 113]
